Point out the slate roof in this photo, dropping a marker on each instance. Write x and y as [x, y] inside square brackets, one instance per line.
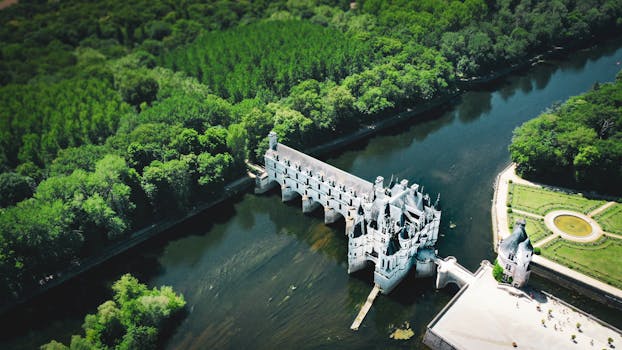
[393, 246]
[518, 236]
[341, 177]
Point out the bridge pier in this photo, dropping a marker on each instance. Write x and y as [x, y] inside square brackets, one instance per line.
[263, 183]
[449, 271]
[349, 225]
[287, 194]
[308, 204]
[331, 215]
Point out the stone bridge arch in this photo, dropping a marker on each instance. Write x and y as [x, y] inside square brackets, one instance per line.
[449, 271]
[332, 215]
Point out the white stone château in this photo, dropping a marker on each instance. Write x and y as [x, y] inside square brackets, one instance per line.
[395, 227]
[515, 254]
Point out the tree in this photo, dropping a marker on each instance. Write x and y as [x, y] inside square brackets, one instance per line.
[54, 345]
[213, 170]
[167, 184]
[291, 125]
[128, 288]
[133, 320]
[14, 188]
[83, 157]
[187, 142]
[214, 140]
[585, 161]
[258, 124]
[137, 88]
[237, 140]
[497, 272]
[139, 338]
[104, 327]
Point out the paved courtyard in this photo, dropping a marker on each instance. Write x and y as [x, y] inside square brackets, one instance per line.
[490, 316]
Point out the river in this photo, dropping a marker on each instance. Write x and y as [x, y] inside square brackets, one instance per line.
[257, 273]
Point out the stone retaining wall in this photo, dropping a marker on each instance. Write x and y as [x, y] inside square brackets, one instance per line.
[579, 286]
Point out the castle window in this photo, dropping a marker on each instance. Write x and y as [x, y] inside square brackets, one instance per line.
[511, 256]
[296, 176]
[318, 186]
[329, 191]
[339, 196]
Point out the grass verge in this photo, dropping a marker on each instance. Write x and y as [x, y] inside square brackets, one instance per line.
[599, 259]
[541, 201]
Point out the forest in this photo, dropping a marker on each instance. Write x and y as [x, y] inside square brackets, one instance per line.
[577, 143]
[114, 115]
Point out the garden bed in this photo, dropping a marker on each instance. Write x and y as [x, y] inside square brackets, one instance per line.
[599, 259]
[541, 201]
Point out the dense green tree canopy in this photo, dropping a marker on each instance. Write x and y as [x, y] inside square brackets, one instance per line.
[268, 57]
[578, 143]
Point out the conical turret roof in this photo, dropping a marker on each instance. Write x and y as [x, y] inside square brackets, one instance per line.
[510, 244]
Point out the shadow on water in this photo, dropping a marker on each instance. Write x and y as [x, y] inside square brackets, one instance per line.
[88, 291]
[474, 105]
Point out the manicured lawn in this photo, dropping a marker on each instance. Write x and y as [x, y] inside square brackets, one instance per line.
[611, 219]
[600, 259]
[573, 225]
[541, 201]
[536, 230]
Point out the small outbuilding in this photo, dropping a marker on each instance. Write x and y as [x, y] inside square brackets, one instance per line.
[515, 254]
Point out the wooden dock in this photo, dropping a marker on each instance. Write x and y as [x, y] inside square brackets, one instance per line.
[365, 309]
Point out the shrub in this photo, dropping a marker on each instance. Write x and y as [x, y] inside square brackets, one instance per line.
[497, 272]
[537, 250]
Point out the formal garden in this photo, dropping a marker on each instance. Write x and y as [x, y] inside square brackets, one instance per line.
[536, 229]
[611, 219]
[581, 233]
[599, 259]
[541, 201]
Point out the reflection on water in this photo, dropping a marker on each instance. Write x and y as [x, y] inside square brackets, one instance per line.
[258, 273]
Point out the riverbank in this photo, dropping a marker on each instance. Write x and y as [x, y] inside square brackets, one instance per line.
[361, 133]
[542, 266]
[136, 238]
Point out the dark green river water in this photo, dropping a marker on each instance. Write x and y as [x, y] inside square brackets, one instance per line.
[258, 273]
